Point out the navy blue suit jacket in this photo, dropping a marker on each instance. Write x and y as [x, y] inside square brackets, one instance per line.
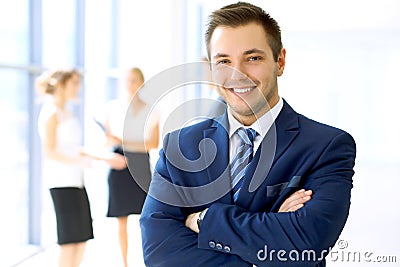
[192, 173]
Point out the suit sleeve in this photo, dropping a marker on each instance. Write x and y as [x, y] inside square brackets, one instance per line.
[305, 235]
[166, 240]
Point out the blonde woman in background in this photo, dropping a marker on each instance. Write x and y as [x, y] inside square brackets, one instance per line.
[64, 161]
[125, 119]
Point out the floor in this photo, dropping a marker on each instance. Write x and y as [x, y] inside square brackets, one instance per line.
[101, 251]
[370, 238]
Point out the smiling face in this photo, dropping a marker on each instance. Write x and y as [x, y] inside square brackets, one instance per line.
[245, 70]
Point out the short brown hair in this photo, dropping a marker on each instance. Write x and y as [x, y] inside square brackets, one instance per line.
[241, 14]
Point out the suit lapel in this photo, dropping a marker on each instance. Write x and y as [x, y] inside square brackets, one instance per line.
[274, 144]
[218, 171]
[287, 128]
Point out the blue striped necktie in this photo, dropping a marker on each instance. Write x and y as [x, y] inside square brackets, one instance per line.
[242, 159]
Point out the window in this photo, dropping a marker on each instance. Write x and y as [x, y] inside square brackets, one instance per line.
[14, 136]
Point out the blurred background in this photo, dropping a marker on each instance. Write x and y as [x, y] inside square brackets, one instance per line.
[343, 61]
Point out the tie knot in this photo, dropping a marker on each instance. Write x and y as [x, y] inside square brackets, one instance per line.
[247, 135]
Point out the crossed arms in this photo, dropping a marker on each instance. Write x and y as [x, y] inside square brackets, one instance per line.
[171, 238]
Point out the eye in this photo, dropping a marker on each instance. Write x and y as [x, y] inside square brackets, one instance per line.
[255, 58]
[222, 61]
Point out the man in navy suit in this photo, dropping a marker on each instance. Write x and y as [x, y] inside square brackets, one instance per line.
[293, 198]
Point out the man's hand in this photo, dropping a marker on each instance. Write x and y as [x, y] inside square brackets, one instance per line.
[296, 200]
[191, 222]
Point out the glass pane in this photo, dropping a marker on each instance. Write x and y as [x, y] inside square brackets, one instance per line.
[59, 26]
[14, 35]
[14, 160]
[100, 36]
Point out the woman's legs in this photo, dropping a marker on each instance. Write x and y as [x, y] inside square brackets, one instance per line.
[71, 255]
[123, 238]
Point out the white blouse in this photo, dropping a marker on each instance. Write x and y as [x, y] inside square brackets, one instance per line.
[68, 142]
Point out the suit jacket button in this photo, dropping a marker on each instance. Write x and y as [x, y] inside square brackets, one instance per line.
[227, 249]
[211, 244]
[219, 246]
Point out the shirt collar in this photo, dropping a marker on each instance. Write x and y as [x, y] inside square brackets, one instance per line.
[261, 125]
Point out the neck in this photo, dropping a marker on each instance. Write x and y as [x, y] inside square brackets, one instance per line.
[248, 120]
[59, 102]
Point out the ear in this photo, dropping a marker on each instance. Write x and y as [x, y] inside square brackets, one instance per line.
[281, 61]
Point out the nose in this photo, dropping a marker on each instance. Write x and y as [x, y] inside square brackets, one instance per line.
[238, 73]
[230, 74]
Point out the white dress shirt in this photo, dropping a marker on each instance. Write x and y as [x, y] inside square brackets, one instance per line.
[262, 125]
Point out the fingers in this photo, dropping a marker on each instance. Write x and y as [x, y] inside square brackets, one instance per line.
[294, 208]
[296, 200]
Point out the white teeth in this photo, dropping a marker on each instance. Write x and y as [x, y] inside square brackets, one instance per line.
[242, 90]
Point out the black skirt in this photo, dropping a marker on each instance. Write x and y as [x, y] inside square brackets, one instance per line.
[72, 208]
[128, 187]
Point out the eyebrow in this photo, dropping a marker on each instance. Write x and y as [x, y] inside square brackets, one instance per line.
[248, 52]
[219, 55]
[254, 51]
